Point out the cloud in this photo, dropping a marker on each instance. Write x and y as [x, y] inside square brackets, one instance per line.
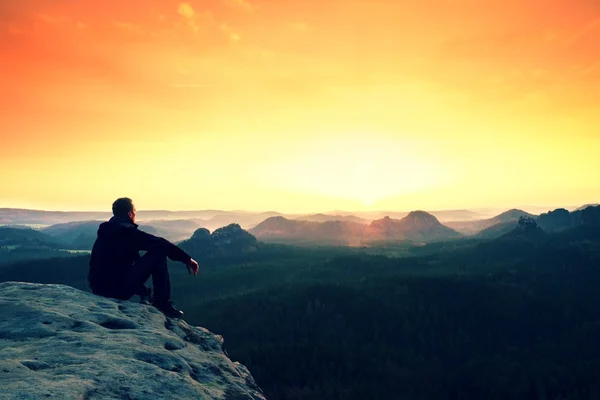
[241, 4]
[197, 20]
[233, 36]
[190, 15]
[186, 10]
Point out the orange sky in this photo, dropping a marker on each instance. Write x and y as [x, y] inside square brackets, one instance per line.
[299, 106]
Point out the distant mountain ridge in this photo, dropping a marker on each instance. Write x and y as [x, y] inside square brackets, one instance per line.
[81, 235]
[27, 237]
[227, 241]
[335, 228]
[417, 225]
[552, 221]
[586, 206]
[327, 217]
[475, 227]
[561, 219]
[211, 219]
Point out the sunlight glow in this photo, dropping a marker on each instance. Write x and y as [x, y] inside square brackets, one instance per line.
[299, 106]
[362, 168]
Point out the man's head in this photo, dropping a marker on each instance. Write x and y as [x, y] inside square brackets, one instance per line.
[124, 208]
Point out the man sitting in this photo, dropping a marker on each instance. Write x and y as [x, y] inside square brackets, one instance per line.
[118, 271]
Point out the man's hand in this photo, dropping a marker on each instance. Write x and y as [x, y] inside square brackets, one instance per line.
[192, 267]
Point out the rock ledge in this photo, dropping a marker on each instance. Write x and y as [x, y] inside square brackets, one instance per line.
[60, 342]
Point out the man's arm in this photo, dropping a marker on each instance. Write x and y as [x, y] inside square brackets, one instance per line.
[148, 242]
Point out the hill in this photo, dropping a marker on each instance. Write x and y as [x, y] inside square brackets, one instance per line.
[283, 229]
[226, 242]
[81, 234]
[77, 235]
[27, 237]
[561, 219]
[21, 244]
[586, 206]
[497, 230]
[174, 230]
[474, 227]
[245, 220]
[217, 218]
[418, 226]
[455, 215]
[327, 218]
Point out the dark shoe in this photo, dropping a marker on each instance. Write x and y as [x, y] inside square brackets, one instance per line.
[146, 297]
[168, 309]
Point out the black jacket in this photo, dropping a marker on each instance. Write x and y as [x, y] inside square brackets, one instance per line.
[117, 248]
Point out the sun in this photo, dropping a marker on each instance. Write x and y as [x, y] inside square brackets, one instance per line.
[365, 169]
[368, 202]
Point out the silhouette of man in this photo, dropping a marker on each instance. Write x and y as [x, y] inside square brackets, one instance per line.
[118, 271]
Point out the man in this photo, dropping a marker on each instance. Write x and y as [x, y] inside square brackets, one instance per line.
[118, 271]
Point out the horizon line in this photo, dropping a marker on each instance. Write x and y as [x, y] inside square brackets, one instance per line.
[550, 208]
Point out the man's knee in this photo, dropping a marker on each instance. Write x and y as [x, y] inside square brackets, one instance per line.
[156, 256]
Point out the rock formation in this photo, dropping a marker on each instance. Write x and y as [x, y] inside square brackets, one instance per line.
[417, 225]
[60, 342]
[228, 241]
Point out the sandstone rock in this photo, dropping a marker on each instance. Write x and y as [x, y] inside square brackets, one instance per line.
[63, 343]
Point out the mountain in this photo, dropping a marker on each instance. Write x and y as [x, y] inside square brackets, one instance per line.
[172, 229]
[61, 342]
[456, 215]
[16, 216]
[283, 230]
[81, 234]
[561, 219]
[441, 215]
[327, 217]
[26, 244]
[23, 216]
[586, 206]
[495, 231]
[526, 230]
[27, 237]
[417, 225]
[77, 235]
[552, 221]
[474, 227]
[245, 220]
[227, 241]
[556, 220]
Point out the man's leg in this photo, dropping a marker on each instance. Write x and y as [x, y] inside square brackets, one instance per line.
[151, 264]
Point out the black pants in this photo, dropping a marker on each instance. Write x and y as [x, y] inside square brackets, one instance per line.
[132, 283]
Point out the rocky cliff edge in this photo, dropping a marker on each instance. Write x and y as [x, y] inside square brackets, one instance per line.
[60, 342]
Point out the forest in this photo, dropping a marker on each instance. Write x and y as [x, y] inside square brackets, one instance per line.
[515, 317]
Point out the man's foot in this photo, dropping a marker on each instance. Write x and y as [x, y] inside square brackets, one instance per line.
[146, 298]
[168, 309]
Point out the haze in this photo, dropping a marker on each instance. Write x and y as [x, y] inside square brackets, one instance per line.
[299, 106]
